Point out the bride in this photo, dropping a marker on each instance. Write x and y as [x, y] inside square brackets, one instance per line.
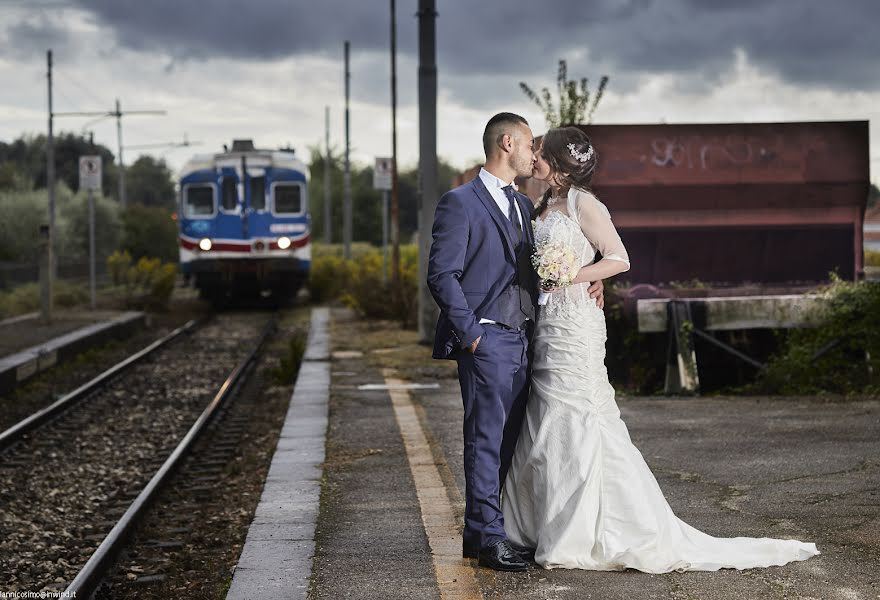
[578, 491]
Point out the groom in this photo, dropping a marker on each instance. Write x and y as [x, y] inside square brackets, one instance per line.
[480, 274]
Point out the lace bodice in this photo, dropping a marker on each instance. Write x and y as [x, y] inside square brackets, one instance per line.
[582, 223]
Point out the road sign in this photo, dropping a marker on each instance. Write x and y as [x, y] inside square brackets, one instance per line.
[90, 173]
[382, 174]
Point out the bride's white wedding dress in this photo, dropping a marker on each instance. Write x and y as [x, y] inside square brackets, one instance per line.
[578, 490]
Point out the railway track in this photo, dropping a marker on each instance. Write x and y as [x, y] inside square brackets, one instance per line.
[75, 479]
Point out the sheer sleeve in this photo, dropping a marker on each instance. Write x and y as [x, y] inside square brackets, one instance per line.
[595, 222]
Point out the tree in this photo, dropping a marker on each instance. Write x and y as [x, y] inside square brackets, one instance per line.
[150, 182]
[74, 227]
[873, 195]
[573, 99]
[28, 155]
[149, 231]
[366, 201]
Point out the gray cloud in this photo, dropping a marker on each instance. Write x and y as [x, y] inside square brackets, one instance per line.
[814, 43]
[34, 35]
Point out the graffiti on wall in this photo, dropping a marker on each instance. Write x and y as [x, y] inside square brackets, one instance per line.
[698, 153]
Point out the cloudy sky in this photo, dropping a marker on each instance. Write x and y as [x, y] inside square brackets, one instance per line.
[265, 69]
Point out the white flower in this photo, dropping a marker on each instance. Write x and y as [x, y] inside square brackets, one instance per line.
[555, 263]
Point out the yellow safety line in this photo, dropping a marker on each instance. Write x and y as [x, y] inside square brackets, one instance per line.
[455, 576]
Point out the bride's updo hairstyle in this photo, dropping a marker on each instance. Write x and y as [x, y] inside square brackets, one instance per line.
[571, 157]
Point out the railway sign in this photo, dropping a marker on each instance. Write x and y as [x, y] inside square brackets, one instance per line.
[90, 173]
[382, 173]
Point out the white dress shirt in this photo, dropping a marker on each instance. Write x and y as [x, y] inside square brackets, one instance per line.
[494, 185]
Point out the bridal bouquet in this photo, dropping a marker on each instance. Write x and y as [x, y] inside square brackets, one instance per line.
[555, 263]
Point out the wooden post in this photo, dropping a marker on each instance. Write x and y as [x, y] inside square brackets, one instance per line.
[681, 360]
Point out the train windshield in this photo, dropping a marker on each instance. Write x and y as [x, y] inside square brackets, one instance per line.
[198, 201]
[230, 194]
[288, 198]
[258, 193]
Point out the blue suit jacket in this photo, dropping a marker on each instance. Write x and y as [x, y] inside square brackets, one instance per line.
[471, 261]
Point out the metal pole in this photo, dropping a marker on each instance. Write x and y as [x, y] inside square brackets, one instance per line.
[328, 201]
[395, 209]
[45, 288]
[385, 236]
[46, 307]
[121, 164]
[346, 200]
[92, 247]
[427, 159]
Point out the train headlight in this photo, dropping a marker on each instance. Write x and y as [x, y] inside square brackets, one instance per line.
[205, 244]
[284, 243]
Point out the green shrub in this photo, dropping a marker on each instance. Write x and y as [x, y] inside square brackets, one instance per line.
[634, 360]
[872, 258]
[26, 298]
[327, 277]
[290, 360]
[358, 283]
[74, 228]
[839, 354]
[21, 214]
[150, 231]
[117, 265]
[147, 283]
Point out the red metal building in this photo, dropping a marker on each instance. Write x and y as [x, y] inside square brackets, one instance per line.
[734, 203]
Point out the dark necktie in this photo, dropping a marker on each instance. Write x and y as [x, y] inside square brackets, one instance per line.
[511, 209]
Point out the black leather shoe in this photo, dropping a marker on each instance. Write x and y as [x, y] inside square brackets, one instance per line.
[469, 552]
[528, 554]
[501, 557]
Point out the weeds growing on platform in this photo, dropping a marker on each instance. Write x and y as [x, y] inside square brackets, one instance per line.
[839, 354]
[25, 298]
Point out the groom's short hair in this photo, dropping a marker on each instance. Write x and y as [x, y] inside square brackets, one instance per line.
[498, 126]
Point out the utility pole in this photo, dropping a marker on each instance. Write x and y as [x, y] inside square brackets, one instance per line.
[427, 159]
[395, 206]
[346, 199]
[328, 201]
[118, 113]
[49, 280]
[121, 178]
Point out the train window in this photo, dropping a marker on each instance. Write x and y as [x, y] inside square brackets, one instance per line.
[230, 194]
[258, 193]
[288, 198]
[198, 201]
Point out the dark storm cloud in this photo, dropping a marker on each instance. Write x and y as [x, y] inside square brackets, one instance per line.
[34, 36]
[805, 42]
[258, 29]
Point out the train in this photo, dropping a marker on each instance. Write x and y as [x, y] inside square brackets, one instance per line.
[243, 223]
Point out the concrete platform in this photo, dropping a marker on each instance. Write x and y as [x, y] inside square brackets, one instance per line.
[276, 560]
[21, 365]
[391, 486]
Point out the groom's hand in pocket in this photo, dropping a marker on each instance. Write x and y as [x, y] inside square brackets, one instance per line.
[597, 291]
[476, 343]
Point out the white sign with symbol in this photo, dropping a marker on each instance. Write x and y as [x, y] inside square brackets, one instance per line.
[90, 173]
[382, 174]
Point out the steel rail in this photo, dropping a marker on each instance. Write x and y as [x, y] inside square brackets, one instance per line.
[14, 433]
[88, 579]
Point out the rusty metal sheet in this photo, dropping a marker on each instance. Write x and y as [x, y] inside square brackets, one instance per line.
[733, 203]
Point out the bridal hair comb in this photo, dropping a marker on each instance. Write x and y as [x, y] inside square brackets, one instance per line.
[580, 156]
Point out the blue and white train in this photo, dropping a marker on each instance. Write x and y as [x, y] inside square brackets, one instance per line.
[244, 223]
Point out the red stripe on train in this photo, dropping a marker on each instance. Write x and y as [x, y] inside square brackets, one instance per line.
[232, 247]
